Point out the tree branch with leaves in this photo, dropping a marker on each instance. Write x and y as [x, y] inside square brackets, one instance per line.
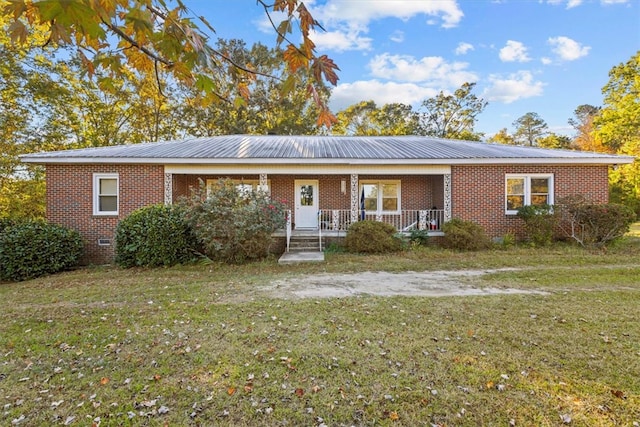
[151, 35]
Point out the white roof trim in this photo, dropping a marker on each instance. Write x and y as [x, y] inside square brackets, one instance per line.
[596, 160]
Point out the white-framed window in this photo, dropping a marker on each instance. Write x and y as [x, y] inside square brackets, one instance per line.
[244, 186]
[527, 189]
[106, 193]
[380, 196]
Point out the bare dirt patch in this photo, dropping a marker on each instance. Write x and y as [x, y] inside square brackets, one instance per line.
[428, 283]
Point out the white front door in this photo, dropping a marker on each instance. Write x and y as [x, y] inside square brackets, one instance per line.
[306, 204]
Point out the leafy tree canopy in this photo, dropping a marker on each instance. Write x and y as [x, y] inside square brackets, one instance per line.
[452, 116]
[150, 36]
[529, 128]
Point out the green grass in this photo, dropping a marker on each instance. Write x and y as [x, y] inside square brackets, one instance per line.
[202, 345]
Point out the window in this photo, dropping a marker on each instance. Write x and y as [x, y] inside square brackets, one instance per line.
[380, 196]
[244, 186]
[524, 190]
[105, 193]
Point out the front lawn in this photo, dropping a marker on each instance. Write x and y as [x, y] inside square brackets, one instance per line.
[202, 345]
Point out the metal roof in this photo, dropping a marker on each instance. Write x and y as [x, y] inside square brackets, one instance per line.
[277, 149]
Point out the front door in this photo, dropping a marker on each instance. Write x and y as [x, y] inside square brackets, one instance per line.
[306, 204]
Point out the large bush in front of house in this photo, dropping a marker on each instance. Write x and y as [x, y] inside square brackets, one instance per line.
[464, 235]
[233, 225]
[593, 224]
[32, 249]
[372, 237]
[540, 223]
[154, 236]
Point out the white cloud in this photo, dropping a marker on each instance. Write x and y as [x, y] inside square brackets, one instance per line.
[347, 21]
[570, 3]
[568, 49]
[433, 70]
[397, 36]
[607, 2]
[341, 41]
[512, 88]
[546, 61]
[363, 12]
[346, 94]
[463, 48]
[514, 52]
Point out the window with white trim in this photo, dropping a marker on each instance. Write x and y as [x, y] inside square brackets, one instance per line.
[244, 186]
[527, 189]
[380, 196]
[105, 193]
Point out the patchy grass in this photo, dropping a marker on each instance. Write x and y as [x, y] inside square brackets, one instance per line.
[199, 345]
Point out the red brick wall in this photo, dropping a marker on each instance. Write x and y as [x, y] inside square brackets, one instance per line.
[70, 201]
[478, 192]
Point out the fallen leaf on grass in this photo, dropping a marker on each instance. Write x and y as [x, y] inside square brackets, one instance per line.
[231, 391]
[393, 416]
[619, 394]
[104, 381]
[299, 392]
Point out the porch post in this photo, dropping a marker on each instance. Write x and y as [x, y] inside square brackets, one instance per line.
[262, 185]
[168, 188]
[447, 197]
[355, 202]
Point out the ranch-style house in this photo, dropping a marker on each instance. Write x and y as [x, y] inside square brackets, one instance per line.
[328, 181]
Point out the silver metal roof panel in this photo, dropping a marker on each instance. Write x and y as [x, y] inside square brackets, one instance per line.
[320, 149]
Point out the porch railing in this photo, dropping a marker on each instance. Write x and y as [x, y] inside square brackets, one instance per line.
[288, 228]
[403, 221]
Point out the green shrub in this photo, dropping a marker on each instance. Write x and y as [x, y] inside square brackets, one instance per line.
[154, 236]
[372, 237]
[464, 235]
[594, 224]
[35, 248]
[419, 237]
[234, 226]
[540, 223]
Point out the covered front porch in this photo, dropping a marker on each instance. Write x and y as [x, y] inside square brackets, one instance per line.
[325, 201]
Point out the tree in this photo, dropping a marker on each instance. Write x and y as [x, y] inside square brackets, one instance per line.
[452, 116]
[148, 37]
[502, 137]
[618, 124]
[618, 127]
[553, 140]
[365, 118]
[269, 108]
[529, 128]
[582, 122]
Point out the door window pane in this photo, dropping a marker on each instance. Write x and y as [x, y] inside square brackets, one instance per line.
[306, 195]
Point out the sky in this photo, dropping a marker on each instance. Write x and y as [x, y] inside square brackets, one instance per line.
[541, 56]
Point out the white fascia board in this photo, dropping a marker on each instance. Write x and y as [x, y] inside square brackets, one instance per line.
[596, 160]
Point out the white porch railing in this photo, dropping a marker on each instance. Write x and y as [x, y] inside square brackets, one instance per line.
[403, 221]
[287, 228]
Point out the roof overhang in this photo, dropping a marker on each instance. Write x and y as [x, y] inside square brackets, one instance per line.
[595, 160]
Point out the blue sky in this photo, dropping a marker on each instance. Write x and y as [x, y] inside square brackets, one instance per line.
[543, 56]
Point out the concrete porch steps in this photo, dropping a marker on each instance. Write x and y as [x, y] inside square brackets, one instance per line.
[302, 249]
